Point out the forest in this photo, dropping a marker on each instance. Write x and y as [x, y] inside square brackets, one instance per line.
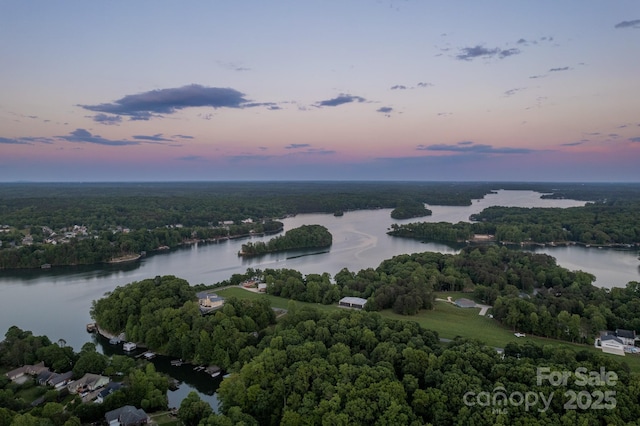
[529, 292]
[303, 237]
[313, 365]
[408, 209]
[125, 219]
[613, 223]
[345, 368]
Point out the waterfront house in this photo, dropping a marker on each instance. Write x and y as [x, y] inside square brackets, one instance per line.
[89, 382]
[209, 301]
[110, 388]
[58, 381]
[32, 370]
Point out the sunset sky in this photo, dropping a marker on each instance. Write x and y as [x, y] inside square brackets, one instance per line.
[540, 90]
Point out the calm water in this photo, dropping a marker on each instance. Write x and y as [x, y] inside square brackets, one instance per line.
[56, 302]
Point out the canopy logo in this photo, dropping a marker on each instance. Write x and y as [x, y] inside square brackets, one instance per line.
[600, 398]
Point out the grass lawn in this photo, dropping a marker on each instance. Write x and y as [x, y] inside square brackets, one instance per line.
[449, 321]
[164, 418]
[276, 302]
[31, 392]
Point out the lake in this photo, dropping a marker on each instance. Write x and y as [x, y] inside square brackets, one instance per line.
[56, 302]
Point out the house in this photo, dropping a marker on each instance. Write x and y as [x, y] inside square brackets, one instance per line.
[110, 388]
[353, 302]
[628, 337]
[89, 382]
[44, 377]
[32, 370]
[209, 301]
[126, 416]
[465, 303]
[262, 287]
[58, 381]
[610, 345]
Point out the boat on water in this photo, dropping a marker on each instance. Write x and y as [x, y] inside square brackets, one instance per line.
[213, 370]
[129, 346]
[114, 341]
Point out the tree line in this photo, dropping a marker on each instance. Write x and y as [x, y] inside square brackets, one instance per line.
[104, 246]
[607, 223]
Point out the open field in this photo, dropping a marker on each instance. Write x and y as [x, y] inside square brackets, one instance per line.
[449, 321]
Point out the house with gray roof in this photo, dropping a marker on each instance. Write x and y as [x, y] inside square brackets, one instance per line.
[465, 303]
[126, 416]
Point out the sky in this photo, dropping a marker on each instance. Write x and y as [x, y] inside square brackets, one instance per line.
[541, 90]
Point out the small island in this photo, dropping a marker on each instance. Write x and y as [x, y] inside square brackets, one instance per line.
[303, 237]
[408, 209]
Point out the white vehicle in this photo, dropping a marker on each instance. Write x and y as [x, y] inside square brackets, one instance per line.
[519, 334]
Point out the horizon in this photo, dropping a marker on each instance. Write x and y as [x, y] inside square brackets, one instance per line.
[320, 91]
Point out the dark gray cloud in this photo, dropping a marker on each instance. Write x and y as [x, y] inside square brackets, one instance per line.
[385, 110]
[538, 76]
[182, 136]
[527, 42]
[143, 106]
[270, 105]
[108, 120]
[30, 140]
[471, 147]
[573, 143]
[636, 139]
[508, 52]
[340, 100]
[316, 151]
[84, 136]
[512, 92]
[297, 146]
[154, 138]
[478, 51]
[559, 69]
[421, 84]
[12, 141]
[629, 24]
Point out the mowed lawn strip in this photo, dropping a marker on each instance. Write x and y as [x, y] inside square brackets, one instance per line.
[276, 301]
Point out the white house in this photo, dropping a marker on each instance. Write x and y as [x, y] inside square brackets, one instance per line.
[628, 337]
[610, 345]
[209, 300]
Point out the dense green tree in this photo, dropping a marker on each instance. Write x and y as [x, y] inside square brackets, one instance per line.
[192, 410]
